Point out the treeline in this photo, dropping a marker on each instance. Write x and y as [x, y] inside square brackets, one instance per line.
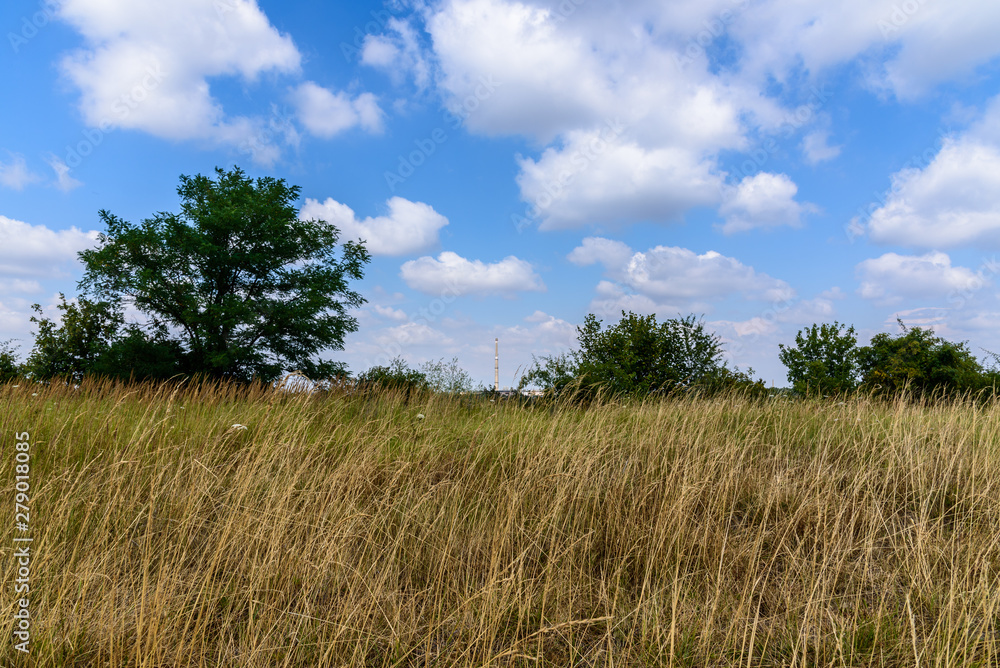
[827, 360]
[635, 357]
[639, 356]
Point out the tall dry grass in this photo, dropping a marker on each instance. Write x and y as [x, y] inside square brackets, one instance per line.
[345, 531]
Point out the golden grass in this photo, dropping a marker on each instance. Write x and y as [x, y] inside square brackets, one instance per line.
[345, 531]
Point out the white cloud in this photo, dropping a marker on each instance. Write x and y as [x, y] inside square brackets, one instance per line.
[594, 250]
[20, 286]
[804, 312]
[954, 201]
[891, 277]
[762, 201]
[548, 79]
[147, 66]
[390, 313]
[915, 45]
[618, 181]
[410, 227]
[398, 53]
[326, 114]
[816, 147]
[37, 251]
[558, 72]
[666, 273]
[15, 173]
[64, 181]
[453, 274]
[411, 334]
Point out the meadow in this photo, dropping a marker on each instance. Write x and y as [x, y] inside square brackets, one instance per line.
[346, 530]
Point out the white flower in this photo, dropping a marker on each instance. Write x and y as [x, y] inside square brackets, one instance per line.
[420, 416]
[241, 427]
[34, 394]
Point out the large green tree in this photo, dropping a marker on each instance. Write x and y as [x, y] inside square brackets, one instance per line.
[245, 286]
[824, 359]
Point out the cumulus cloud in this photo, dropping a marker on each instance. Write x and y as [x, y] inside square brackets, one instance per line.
[37, 251]
[678, 274]
[409, 227]
[762, 201]
[911, 50]
[954, 201]
[558, 72]
[14, 173]
[147, 66]
[891, 277]
[453, 274]
[596, 180]
[594, 250]
[326, 114]
[632, 136]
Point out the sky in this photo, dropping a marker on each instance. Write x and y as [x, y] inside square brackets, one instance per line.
[516, 165]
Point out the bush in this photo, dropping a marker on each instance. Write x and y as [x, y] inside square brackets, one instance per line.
[636, 357]
[447, 377]
[397, 376]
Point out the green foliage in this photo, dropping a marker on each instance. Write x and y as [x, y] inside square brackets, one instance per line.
[638, 356]
[920, 362]
[448, 377]
[71, 348]
[249, 288]
[90, 340]
[823, 361]
[9, 367]
[553, 373]
[397, 375]
[136, 355]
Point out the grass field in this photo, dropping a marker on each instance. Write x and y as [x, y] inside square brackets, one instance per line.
[345, 531]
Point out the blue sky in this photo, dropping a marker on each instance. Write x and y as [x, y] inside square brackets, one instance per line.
[515, 165]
